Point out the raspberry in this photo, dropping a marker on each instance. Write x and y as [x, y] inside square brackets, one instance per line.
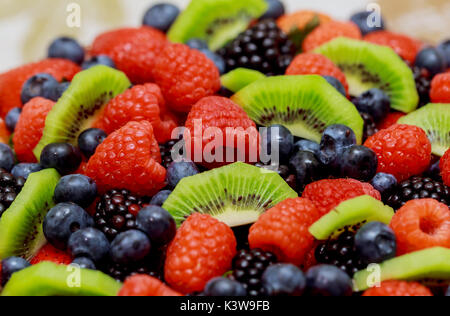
[402, 150]
[399, 288]
[390, 120]
[327, 194]
[128, 159]
[299, 20]
[29, 128]
[440, 89]
[144, 285]
[406, 47]
[12, 81]
[316, 64]
[185, 76]
[329, 31]
[4, 132]
[163, 130]
[51, 254]
[202, 250]
[445, 168]
[421, 224]
[133, 50]
[283, 230]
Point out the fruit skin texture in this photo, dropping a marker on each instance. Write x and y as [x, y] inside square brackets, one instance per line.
[399, 288]
[445, 168]
[402, 150]
[185, 76]
[130, 159]
[51, 254]
[390, 120]
[29, 128]
[440, 88]
[203, 249]
[421, 224]
[329, 31]
[144, 285]
[283, 230]
[299, 20]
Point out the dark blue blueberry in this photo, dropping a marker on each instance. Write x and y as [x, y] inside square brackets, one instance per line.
[374, 102]
[283, 280]
[25, 169]
[375, 242]
[179, 170]
[11, 265]
[160, 198]
[66, 48]
[431, 59]
[277, 140]
[85, 263]
[197, 43]
[158, 224]
[98, 60]
[307, 168]
[89, 140]
[336, 84]
[40, 85]
[359, 162]
[366, 22]
[7, 158]
[161, 16]
[62, 221]
[217, 59]
[307, 145]
[275, 10]
[76, 188]
[327, 280]
[434, 171]
[60, 89]
[62, 156]
[444, 48]
[224, 287]
[335, 139]
[130, 246]
[12, 118]
[89, 242]
[384, 183]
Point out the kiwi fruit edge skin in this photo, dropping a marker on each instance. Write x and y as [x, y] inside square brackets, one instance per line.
[21, 232]
[50, 279]
[236, 194]
[368, 66]
[434, 119]
[79, 106]
[430, 265]
[239, 78]
[215, 21]
[306, 105]
[351, 215]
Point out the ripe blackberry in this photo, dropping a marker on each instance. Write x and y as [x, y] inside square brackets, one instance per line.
[284, 171]
[419, 188]
[370, 127]
[423, 84]
[10, 187]
[248, 268]
[264, 47]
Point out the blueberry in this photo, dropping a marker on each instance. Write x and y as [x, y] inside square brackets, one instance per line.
[224, 287]
[158, 224]
[161, 16]
[160, 198]
[335, 139]
[375, 242]
[432, 60]
[283, 280]
[62, 221]
[89, 242]
[217, 59]
[76, 188]
[179, 170]
[336, 84]
[275, 10]
[277, 140]
[60, 89]
[434, 171]
[307, 145]
[66, 48]
[89, 140]
[327, 280]
[444, 48]
[25, 169]
[11, 265]
[384, 183]
[374, 102]
[130, 246]
[40, 85]
[359, 162]
[307, 168]
[98, 60]
[197, 43]
[366, 23]
[6, 157]
[84, 263]
[12, 118]
[62, 156]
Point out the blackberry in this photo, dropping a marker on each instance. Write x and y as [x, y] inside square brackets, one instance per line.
[10, 187]
[423, 84]
[249, 267]
[284, 171]
[264, 47]
[419, 188]
[166, 153]
[370, 127]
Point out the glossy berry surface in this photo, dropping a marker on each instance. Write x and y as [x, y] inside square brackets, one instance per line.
[217, 60]
[157, 223]
[40, 85]
[6, 157]
[374, 102]
[179, 170]
[84, 263]
[11, 265]
[444, 48]
[66, 48]
[307, 145]
[307, 168]
[196, 43]
[25, 169]
[89, 242]
[335, 139]
[161, 16]
[12, 118]
[336, 84]
[284, 280]
[359, 162]
[76, 188]
[432, 60]
[160, 198]
[10, 187]
[62, 156]
[130, 246]
[278, 142]
[326, 280]
[98, 60]
[89, 140]
[223, 287]
[275, 10]
[365, 22]
[384, 183]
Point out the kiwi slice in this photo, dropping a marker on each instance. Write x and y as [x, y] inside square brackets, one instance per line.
[215, 21]
[351, 215]
[77, 109]
[239, 78]
[368, 66]
[434, 119]
[236, 194]
[21, 232]
[49, 279]
[305, 105]
[430, 265]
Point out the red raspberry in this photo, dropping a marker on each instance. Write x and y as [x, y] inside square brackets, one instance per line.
[4, 132]
[399, 288]
[29, 128]
[133, 50]
[440, 88]
[329, 31]
[283, 230]
[390, 120]
[445, 168]
[163, 131]
[12, 81]
[144, 285]
[129, 159]
[316, 64]
[402, 150]
[203, 249]
[421, 224]
[51, 254]
[185, 76]
[406, 47]
[299, 20]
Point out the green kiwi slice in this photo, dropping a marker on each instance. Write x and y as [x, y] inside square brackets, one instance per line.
[351, 214]
[215, 21]
[430, 265]
[49, 279]
[236, 194]
[239, 78]
[21, 225]
[76, 110]
[305, 105]
[368, 66]
[434, 119]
